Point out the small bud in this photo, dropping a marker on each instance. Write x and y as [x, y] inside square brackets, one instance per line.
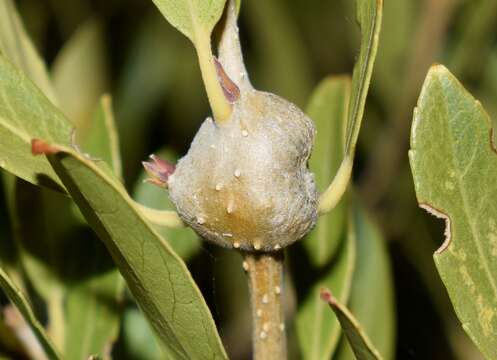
[159, 170]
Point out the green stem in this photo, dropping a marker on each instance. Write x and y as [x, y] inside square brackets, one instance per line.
[221, 108]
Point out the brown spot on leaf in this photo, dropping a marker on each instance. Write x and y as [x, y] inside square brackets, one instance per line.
[40, 147]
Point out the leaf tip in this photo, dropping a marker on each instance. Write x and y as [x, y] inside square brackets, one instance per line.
[327, 296]
[40, 147]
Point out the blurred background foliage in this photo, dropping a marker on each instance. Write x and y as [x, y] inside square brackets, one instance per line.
[126, 48]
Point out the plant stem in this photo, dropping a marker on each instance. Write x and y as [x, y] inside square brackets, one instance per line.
[220, 107]
[265, 275]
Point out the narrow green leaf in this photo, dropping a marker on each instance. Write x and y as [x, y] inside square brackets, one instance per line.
[17, 47]
[369, 18]
[156, 276]
[184, 241]
[138, 338]
[317, 329]
[454, 165]
[22, 304]
[398, 25]
[191, 17]
[92, 306]
[328, 109]
[101, 140]
[25, 113]
[474, 35]
[70, 269]
[80, 75]
[149, 74]
[358, 339]
[372, 298]
[274, 33]
[369, 14]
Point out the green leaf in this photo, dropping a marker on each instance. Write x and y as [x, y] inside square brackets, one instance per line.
[328, 109]
[158, 279]
[317, 329]
[22, 304]
[473, 37]
[17, 47]
[70, 269]
[274, 33]
[454, 165]
[399, 21]
[184, 241]
[80, 75]
[369, 18]
[369, 14]
[25, 113]
[372, 298]
[150, 72]
[358, 339]
[138, 338]
[101, 140]
[192, 17]
[92, 311]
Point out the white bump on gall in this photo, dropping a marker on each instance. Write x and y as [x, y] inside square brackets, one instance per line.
[277, 290]
[265, 299]
[263, 335]
[244, 133]
[237, 173]
[245, 266]
[231, 207]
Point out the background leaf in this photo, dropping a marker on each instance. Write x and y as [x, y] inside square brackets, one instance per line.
[101, 139]
[372, 297]
[24, 307]
[317, 329]
[80, 75]
[17, 47]
[138, 337]
[328, 108]
[454, 167]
